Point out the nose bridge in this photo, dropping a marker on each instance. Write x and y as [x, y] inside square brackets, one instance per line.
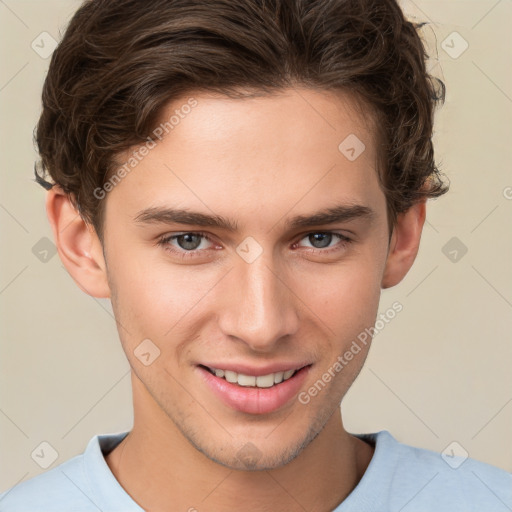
[261, 310]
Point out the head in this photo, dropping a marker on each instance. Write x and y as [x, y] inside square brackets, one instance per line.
[239, 123]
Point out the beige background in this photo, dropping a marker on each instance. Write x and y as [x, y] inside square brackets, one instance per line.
[438, 373]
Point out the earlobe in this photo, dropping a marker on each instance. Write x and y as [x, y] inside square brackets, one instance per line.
[78, 245]
[404, 244]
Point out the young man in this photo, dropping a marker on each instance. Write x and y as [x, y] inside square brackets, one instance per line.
[242, 178]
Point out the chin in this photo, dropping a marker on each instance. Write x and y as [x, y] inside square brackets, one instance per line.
[258, 454]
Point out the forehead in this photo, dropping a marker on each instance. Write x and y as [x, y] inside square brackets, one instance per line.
[259, 155]
[292, 114]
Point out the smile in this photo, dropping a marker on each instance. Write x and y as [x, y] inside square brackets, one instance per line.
[252, 394]
[260, 381]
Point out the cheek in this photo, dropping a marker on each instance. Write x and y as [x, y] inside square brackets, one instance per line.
[345, 295]
[155, 298]
[152, 298]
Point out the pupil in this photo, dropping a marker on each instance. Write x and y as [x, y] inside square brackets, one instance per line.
[185, 241]
[323, 238]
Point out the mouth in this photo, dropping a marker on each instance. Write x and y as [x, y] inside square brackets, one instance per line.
[253, 381]
[253, 394]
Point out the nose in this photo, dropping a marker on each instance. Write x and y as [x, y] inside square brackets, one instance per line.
[261, 308]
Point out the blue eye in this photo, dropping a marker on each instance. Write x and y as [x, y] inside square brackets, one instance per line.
[188, 244]
[187, 241]
[324, 238]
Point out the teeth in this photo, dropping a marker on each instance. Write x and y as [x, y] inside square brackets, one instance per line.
[262, 381]
[288, 374]
[230, 376]
[247, 380]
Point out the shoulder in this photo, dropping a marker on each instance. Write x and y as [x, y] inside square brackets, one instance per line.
[52, 490]
[412, 478]
[455, 479]
[83, 483]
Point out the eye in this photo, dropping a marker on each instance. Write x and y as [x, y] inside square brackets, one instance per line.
[320, 241]
[190, 244]
[186, 244]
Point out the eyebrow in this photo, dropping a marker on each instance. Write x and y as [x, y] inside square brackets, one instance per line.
[339, 213]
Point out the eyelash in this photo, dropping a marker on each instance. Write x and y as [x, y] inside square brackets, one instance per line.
[164, 242]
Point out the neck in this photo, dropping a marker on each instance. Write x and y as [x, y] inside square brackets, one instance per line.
[157, 465]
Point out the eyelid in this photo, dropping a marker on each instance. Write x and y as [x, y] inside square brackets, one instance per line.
[172, 236]
[164, 240]
[343, 240]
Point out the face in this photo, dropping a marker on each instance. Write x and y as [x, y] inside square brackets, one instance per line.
[256, 283]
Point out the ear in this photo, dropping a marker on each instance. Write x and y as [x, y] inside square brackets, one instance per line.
[78, 245]
[404, 244]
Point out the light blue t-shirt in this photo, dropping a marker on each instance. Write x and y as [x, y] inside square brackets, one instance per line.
[399, 478]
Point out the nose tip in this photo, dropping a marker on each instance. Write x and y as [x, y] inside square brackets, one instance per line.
[261, 309]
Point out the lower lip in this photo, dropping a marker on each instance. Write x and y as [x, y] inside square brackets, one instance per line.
[255, 400]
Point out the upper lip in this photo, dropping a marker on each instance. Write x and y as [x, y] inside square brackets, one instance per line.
[257, 371]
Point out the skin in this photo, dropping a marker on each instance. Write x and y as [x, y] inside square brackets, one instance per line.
[257, 161]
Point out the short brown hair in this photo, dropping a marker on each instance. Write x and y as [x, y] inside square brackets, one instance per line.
[121, 61]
